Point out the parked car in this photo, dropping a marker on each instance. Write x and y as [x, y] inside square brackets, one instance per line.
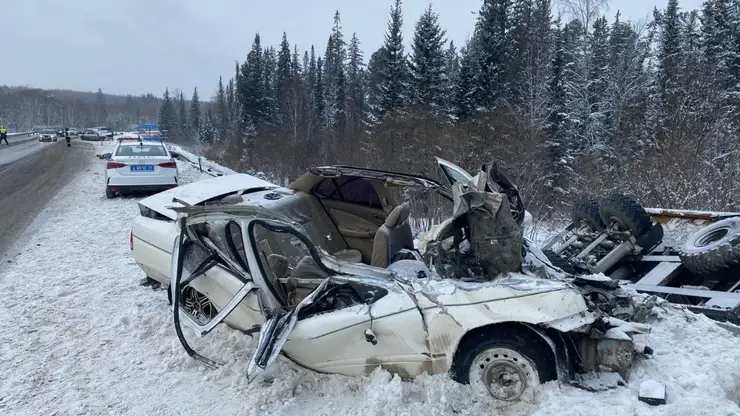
[91, 134]
[47, 135]
[326, 271]
[139, 165]
[105, 132]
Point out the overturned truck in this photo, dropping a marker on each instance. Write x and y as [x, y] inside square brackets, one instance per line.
[337, 294]
[687, 257]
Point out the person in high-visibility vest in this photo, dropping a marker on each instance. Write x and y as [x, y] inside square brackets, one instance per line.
[4, 135]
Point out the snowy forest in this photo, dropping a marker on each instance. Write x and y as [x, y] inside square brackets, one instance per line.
[569, 102]
[21, 108]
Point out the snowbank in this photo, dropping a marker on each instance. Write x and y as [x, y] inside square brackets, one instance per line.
[78, 335]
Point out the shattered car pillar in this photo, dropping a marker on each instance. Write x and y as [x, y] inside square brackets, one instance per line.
[495, 237]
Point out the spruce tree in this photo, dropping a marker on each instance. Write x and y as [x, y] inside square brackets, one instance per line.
[182, 119]
[284, 79]
[393, 70]
[194, 118]
[428, 81]
[167, 114]
[222, 112]
[356, 99]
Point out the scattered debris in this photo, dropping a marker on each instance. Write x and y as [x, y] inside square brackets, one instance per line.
[652, 393]
[593, 381]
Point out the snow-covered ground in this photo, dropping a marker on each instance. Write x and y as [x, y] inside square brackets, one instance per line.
[78, 335]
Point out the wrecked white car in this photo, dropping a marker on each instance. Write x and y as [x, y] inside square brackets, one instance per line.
[326, 271]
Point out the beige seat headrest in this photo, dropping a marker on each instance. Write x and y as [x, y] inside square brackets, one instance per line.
[279, 265]
[397, 216]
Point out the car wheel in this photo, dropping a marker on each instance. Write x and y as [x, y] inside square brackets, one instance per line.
[198, 306]
[109, 193]
[505, 363]
[587, 212]
[714, 250]
[626, 214]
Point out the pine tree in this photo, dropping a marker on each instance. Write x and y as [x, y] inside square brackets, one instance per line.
[167, 114]
[669, 56]
[251, 87]
[428, 81]
[375, 70]
[491, 51]
[182, 119]
[208, 129]
[222, 118]
[452, 71]
[356, 100]
[466, 87]
[334, 61]
[319, 103]
[598, 72]
[269, 105]
[194, 118]
[393, 66]
[556, 144]
[101, 111]
[284, 79]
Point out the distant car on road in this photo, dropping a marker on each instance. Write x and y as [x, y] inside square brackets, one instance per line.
[140, 165]
[105, 132]
[91, 134]
[47, 135]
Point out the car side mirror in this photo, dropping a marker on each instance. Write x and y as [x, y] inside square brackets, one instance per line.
[107, 155]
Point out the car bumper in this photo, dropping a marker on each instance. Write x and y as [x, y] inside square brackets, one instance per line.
[140, 188]
[157, 180]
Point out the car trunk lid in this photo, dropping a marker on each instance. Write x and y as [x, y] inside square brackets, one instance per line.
[199, 192]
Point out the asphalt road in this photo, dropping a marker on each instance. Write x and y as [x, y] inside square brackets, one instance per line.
[31, 173]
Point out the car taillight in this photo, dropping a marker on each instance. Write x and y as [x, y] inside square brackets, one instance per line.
[115, 165]
[170, 164]
[131, 240]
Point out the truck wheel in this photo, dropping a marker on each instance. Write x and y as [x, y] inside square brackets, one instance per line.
[587, 212]
[714, 249]
[505, 363]
[558, 261]
[628, 214]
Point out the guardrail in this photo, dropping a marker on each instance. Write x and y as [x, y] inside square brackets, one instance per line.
[21, 133]
[197, 163]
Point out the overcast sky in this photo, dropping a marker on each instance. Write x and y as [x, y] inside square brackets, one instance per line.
[139, 46]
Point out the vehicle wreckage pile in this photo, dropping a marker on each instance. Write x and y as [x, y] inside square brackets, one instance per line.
[338, 294]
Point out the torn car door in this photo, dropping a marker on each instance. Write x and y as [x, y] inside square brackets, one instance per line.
[345, 323]
[380, 327]
[211, 258]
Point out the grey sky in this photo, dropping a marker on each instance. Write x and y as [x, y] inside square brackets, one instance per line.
[138, 46]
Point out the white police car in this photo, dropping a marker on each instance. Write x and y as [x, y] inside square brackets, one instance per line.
[140, 165]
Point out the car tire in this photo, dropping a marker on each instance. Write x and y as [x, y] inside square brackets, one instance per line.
[491, 354]
[109, 193]
[558, 261]
[627, 212]
[713, 251]
[587, 212]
